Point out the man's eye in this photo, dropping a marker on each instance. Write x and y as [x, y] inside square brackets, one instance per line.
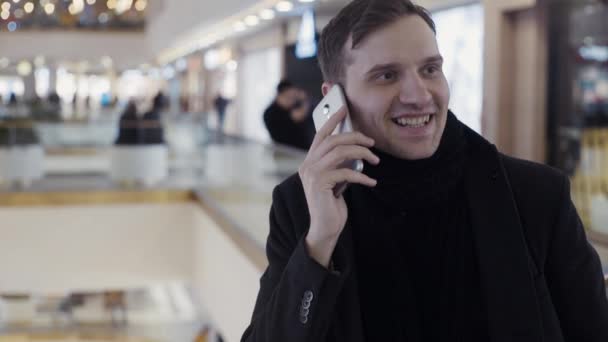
[431, 70]
[387, 76]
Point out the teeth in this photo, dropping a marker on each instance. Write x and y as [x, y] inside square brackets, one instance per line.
[414, 122]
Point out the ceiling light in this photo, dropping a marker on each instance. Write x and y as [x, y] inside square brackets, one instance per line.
[4, 62]
[239, 26]
[91, 2]
[107, 62]
[49, 8]
[103, 17]
[4, 15]
[39, 61]
[141, 5]
[307, 0]
[284, 6]
[12, 26]
[252, 20]
[168, 72]
[232, 65]
[181, 64]
[16, 1]
[111, 4]
[6, 6]
[28, 7]
[76, 7]
[267, 14]
[24, 68]
[19, 13]
[123, 5]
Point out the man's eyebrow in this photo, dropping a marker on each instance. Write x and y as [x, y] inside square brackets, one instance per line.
[391, 66]
[433, 59]
[382, 67]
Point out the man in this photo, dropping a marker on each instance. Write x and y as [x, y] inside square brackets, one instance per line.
[288, 119]
[441, 238]
[220, 103]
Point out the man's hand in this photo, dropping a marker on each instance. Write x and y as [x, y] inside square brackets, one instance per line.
[320, 174]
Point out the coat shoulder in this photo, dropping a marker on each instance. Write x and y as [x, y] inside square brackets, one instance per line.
[534, 180]
[291, 189]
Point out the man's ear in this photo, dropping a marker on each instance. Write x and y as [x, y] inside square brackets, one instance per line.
[326, 87]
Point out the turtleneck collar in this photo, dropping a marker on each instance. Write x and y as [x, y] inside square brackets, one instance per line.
[424, 181]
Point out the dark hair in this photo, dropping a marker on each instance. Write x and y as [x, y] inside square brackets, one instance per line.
[358, 20]
[284, 85]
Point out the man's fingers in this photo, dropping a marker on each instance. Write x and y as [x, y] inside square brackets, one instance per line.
[344, 153]
[347, 175]
[353, 138]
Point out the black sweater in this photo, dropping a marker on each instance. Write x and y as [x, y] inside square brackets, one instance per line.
[417, 270]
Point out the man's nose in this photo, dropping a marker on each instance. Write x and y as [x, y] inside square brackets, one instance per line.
[414, 91]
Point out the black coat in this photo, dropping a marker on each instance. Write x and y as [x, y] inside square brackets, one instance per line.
[541, 279]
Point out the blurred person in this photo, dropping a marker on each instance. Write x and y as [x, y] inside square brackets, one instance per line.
[288, 118]
[184, 104]
[441, 237]
[54, 99]
[220, 103]
[115, 302]
[152, 120]
[128, 125]
[12, 100]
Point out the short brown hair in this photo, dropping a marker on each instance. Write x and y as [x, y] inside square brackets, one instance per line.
[358, 20]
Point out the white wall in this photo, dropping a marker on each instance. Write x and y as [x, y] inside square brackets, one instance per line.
[259, 74]
[62, 248]
[91, 248]
[226, 280]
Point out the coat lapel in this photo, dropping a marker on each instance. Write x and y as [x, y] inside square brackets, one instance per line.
[506, 277]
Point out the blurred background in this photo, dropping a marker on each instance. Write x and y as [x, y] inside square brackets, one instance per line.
[139, 144]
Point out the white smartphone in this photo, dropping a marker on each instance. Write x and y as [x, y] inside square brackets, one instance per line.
[330, 105]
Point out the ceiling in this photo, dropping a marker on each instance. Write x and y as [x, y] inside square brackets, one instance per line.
[171, 25]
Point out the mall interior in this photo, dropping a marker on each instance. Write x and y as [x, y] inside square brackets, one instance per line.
[136, 169]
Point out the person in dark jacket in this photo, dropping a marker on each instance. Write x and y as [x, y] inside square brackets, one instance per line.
[441, 237]
[153, 130]
[128, 126]
[221, 104]
[288, 118]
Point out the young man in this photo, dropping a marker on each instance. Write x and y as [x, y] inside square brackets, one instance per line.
[441, 238]
[288, 119]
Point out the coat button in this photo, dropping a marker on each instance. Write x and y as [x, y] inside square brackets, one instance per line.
[304, 312]
[305, 304]
[303, 319]
[308, 296]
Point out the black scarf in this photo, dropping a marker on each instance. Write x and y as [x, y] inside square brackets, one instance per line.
[413, 245]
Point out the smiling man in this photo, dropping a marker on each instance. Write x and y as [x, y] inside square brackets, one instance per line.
[441, 237]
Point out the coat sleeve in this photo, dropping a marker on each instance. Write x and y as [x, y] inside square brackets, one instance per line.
[297, 295]
[575, 279]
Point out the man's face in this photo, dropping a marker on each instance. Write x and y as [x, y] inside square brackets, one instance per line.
[289, 96]
[396, 88]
